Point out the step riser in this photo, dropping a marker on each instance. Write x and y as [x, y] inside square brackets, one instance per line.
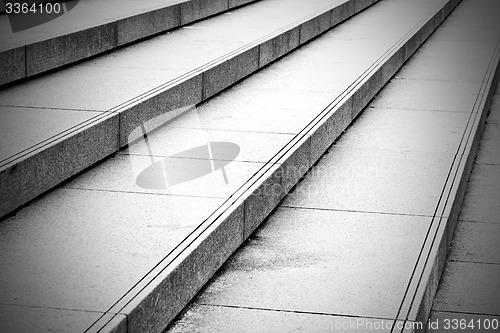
[259, 197]
[36, 58]
[191, 89]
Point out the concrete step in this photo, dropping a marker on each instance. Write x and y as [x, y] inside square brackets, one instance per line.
[57, 125]
[360, 243]
[126, 244]
[31, 44]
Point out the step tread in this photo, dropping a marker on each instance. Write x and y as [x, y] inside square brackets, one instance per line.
[95, 26]
[181, 67]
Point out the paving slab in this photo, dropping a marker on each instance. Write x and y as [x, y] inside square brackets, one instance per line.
[406, 130]
[346, 178]
[21, 319]
[61, 260]
[469, 287]
[207, 318]
[476, 242]
[428, 95]
[449, 322]
[481, 201]
[147, 174]
[488, 148]
[26, 127]
[346, 261]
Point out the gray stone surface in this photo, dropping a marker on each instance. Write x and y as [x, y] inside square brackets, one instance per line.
[428, 95]
[58, 51]
[470, 288]
[494, 115]
[228, 72]
[45, 168]
[197, 9]
[22, 128]
[12, 64]
[57, 257]
[212, 319]
[123, 174]
[16, 319]
[167, 141]
[149, 23]
[489, 152]
[476, 242]
[342, 12]
[459, 50]
[173, 97]
[329, 129]
[442, 322]
[481, 201]
[263, 194]
[346, 269]
[85, 88]
[346, 178]
[430, 68]
[406, 130]
[167, 293]
[237, 3]
[313, 28]
[279, 46]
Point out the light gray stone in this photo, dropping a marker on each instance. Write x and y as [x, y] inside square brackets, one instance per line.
[300, 260]
[206, 318]
[476, 242]
[374, 181]
[166, 294]
[16, 319]
[488, 147]
[176, 95]
[45, 168]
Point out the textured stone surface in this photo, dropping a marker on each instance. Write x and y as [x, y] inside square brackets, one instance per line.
[329, 129]
[469, 287]
[278, 46]
[58, 258]
[12, 64]
[149, 23]
[228, 72]
[16, 319]
[237, 3]
[428, 95]
[476, 242]
[197, 9]
[167, 293]
[44, 169]
[488, 147]
[123, 174]
[23, 128]
[406, 130]
[346, 179]
[281, 268]
[58, 51]
[176, 96]
[481, 201]
[212, 319]
[315, 27]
